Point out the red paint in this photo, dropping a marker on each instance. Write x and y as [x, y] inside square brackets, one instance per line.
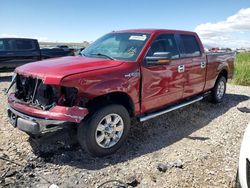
[52, 71]
[155, 86]
[69, 114]
[161, 85]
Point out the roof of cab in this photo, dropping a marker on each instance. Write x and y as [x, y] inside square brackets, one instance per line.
[7, 38]
[151, 31]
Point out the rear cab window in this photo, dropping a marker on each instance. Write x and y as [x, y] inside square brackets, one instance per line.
[188, 45]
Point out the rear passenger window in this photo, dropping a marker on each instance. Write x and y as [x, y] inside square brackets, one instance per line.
[24, 45]
[190, 46]
[164, 43]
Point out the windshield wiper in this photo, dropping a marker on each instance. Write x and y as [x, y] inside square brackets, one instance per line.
[104, 55]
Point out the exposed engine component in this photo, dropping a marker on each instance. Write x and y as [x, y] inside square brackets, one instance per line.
[25, 88]
[33, 91]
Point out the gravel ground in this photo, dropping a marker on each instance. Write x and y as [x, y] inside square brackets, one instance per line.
[198, 146]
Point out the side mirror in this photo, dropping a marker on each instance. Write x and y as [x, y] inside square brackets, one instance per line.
[159, 58]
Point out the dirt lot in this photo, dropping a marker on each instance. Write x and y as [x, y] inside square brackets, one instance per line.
[202, 139]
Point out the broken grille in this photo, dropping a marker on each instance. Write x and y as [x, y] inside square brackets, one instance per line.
[33, 91]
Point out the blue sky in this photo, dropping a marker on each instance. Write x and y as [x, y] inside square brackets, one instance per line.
[76, 21]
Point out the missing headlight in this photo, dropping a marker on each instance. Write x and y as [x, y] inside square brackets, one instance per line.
[68, 96]
[45, 96]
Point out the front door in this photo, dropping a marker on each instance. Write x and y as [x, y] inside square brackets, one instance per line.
[162, 84]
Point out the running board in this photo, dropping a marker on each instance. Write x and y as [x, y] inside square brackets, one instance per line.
[155, 114]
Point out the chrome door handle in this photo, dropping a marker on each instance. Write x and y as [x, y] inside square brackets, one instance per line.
[203, 65]
[132, 74]
[181, 68]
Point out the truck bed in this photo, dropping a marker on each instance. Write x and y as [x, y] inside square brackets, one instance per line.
[214, 62]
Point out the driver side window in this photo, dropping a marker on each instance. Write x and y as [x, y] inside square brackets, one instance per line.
[164, 43]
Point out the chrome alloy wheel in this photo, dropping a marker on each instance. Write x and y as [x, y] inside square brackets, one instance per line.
[221, 89]
[109, 131]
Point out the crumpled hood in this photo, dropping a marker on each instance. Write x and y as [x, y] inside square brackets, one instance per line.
[52, 71]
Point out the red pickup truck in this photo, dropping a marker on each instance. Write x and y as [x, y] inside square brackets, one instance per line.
[125, 74]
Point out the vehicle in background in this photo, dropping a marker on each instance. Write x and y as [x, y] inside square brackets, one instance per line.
[226, 50]
[67, 48]
[243, 175]
[63, 46]
[214, 50]
[79, 51]
[18, 51]
[220, 50]
[47, 53]
[123, 75]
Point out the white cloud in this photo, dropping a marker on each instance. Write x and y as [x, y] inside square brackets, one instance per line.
[40, 39]
[233, 32]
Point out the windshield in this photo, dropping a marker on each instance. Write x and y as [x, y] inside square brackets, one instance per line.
[120, 46]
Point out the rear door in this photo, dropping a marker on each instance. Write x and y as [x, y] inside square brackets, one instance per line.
[162, 84]
[194, 61]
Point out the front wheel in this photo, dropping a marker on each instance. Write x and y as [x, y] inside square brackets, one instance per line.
[104, 131]
[218, 92]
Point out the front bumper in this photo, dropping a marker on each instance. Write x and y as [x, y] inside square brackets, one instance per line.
[33, 125]
[36, 121]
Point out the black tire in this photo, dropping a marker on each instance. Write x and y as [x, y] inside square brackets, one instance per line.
[86, 133]
[215, 97]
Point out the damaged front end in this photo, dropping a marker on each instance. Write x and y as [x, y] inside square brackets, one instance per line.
[35, 107]
[34, 92]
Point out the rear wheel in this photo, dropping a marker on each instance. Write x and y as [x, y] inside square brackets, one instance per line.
[104, 131]
[218, 92]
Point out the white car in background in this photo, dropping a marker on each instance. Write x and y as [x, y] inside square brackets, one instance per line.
[243, 177]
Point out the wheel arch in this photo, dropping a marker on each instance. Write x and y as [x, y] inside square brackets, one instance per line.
[224, 73]
[121, 98]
